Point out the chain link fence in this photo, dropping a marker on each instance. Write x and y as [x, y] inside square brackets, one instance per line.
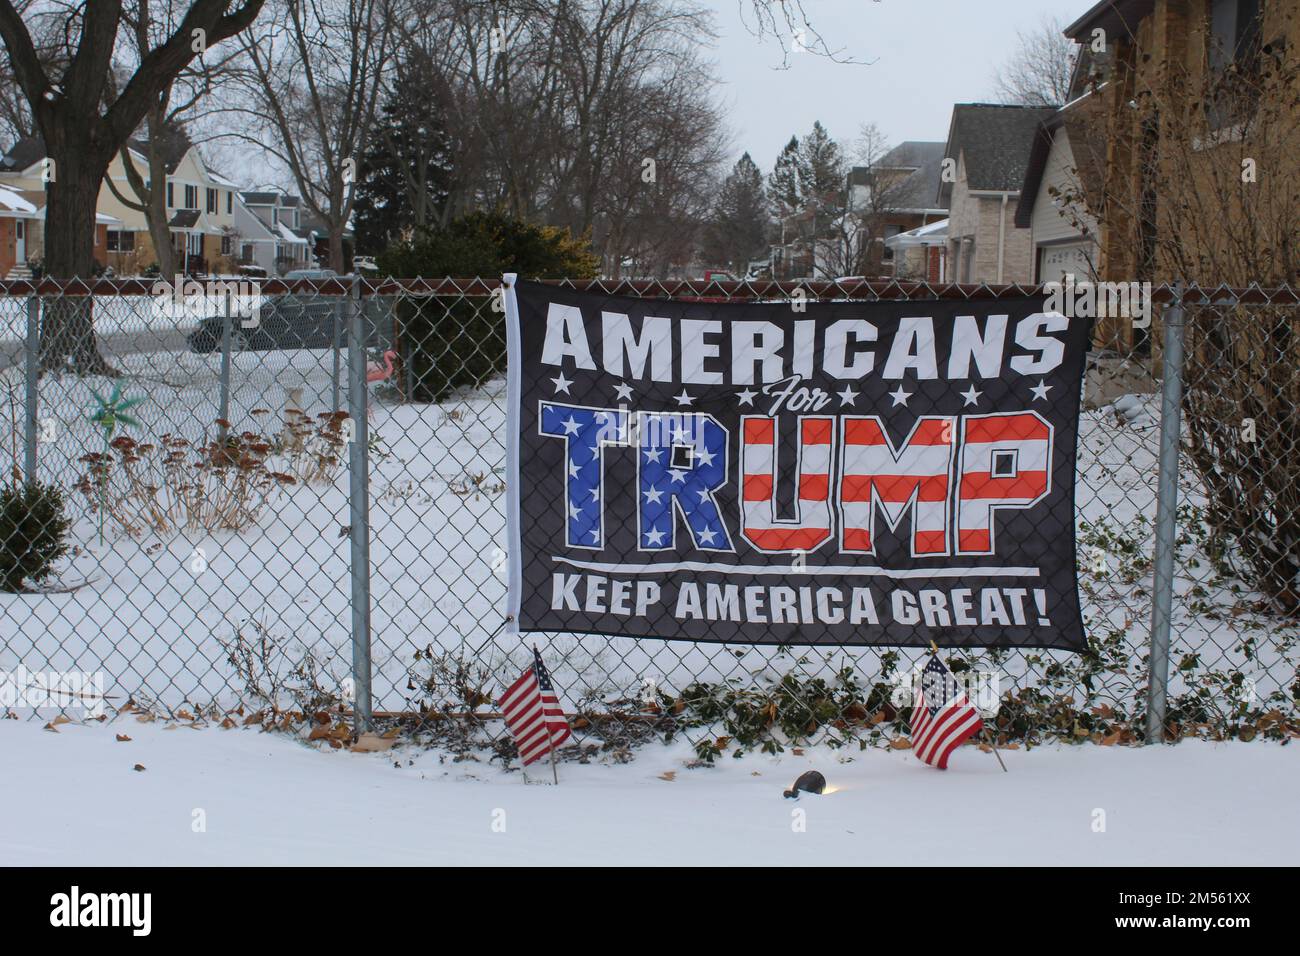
[288, 499]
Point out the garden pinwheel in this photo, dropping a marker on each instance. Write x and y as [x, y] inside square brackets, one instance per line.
[110, 413]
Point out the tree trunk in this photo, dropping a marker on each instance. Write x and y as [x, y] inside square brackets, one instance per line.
[68, 332]
[336, 248]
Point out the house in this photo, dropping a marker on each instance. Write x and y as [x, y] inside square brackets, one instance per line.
[898, 194]
[983, 171]
[16, 218]
[1062, 183]
[1184, 115]
[921, 254]
[199, 203]
[270, 233]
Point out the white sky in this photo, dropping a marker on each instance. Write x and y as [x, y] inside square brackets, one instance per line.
[927, 55]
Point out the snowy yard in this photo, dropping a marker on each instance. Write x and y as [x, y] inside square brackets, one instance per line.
[76, 799]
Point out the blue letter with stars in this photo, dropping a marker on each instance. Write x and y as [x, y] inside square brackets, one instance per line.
[681, 462]
[587, 432]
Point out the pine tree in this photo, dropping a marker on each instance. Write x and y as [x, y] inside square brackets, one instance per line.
[405, 176]
[821, 166]
[738, 230]
[783, 185]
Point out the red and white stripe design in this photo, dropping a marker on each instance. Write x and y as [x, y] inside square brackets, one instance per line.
[916, 475]
[759, 523]
[534, 717]
[1005, 464]
[936, 735]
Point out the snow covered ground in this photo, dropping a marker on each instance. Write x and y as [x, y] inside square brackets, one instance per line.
[157, 615]
[73, 797]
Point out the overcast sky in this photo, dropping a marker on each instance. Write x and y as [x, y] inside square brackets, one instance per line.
[925, 56]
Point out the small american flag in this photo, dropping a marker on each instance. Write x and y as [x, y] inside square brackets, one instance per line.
[942, 716]
[533, 713]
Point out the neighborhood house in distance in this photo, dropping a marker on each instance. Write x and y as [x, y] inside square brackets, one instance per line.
[215, 226]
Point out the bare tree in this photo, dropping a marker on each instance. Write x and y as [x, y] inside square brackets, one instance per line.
[314, 73]
[1038, 73]
[84, 122]
[789, 23]
[166, 138]
[1198, 154]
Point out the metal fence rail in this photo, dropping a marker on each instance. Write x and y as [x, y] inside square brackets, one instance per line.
[304, 511]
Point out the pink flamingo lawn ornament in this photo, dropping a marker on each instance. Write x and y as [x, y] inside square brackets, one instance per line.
[379, 373]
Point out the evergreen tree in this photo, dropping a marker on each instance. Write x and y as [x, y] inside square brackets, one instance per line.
[404, 177]
[821, 166]
[739, 225]
[783, 185]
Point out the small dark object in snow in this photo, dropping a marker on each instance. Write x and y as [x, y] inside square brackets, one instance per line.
[810, 782]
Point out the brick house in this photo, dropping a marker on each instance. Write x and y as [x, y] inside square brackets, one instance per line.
[984, 164]
[1151, 111]
[1062, 183]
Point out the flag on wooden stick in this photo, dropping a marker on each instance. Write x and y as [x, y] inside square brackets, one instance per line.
[942, 715]
[533, 713]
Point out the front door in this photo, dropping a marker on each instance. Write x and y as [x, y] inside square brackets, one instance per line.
[20, 250]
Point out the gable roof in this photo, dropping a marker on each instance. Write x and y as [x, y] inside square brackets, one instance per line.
[912, 154]
[1074, 121]
[22, 154]
[1117, 17]
[995, 140]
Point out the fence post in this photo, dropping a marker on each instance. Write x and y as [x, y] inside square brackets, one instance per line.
[32, 347]
[227, 334]
[359, 508]
[334, 345]
[1166, 518]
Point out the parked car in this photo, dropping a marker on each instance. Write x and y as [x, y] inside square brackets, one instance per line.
[310, 274]
[293, 320]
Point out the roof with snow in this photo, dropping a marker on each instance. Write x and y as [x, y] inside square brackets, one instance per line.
[13, 205]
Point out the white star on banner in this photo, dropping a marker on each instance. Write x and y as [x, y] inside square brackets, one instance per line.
[653, 495]
[676, 474]
[1040, 390]
[707, 535]
[574, 470]
[654, 454]
[705, 457]
[972, 397]
[900, 397]
[570, 426]
[848, 396]
[561, 384]
[684, 398]
[654, 537]
[575, 511]
[746, 397]
[623, 391]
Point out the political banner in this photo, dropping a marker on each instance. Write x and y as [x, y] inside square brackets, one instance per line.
[793, 472]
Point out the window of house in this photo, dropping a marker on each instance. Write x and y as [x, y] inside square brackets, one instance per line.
[212, 201]
[891, 230]
[1234, 42]
[191, 197]
[120, 240]
[226, 245]
[1234, 33]
[171, 196]
[246, 252]
[230, 203]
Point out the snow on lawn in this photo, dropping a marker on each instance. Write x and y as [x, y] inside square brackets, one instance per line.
[267, 799]
[157, 615]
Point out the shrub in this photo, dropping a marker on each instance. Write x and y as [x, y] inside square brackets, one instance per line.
[33, 532]
[222, 485]
[452, 342]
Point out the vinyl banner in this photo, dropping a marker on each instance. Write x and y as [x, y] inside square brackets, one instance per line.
[887, 473]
